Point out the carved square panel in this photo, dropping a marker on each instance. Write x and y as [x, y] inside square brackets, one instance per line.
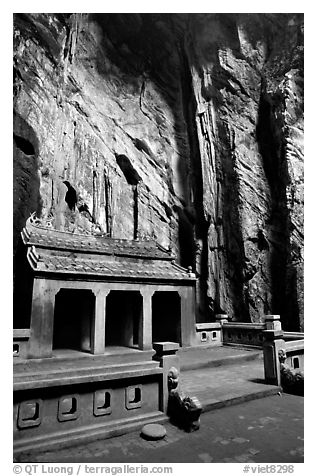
[133, 397]
[16, 350]
[102, 402]
[30, 413]
[203, 336]
[68, 408]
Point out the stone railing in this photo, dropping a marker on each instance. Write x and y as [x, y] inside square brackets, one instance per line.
[20, 342]
[243, 333]
[223, 332]
[289, 336]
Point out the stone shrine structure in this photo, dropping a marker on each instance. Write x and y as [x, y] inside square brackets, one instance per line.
[91, 292]
[98, 307]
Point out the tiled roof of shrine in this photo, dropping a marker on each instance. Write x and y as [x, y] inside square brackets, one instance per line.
[58, 252]
[45, 236]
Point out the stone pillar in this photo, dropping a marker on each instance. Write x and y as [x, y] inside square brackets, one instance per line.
[222, 319]
[273, 343]
[42, 319]
[272, 322]
[145, 325]
[166, 355]
[188, 317]
[98, 334]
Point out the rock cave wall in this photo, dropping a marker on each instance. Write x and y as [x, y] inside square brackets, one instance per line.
[187, 128]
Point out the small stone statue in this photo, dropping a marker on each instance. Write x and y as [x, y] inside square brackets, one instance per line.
[183, 410]
[292, 380]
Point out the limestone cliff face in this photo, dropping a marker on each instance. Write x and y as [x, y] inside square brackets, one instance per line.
[184, 127]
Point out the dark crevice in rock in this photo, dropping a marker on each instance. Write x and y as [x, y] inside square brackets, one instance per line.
[133, 178]
[196, 183]
[135, 211]
[186, 239]
[24, 145]
[26, 181]
[108, 204]
[71, 196]
[131, 175]
[275, 167]
[232, 227]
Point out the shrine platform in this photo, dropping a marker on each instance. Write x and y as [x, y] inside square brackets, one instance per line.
[123, 388]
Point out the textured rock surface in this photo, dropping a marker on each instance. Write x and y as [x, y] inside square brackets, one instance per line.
[184, 127]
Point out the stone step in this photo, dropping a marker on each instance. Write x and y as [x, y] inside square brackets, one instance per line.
[192, 358]
[68, 359]
[53, 377]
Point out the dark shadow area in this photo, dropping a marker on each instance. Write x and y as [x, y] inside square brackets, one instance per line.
[166, 317]
[71, 196]
[23, 289]
[197, 229]
[24, 145]
[26, 200]
[123, 310]
[259, 380]
[73, 314]
[133, 178]
[131, 175]
[185, 238]
[232, 227]
[275, 168]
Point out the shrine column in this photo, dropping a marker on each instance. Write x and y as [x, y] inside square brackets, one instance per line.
[145, 326]
[188, 317]
[98, 333]
[42, 319]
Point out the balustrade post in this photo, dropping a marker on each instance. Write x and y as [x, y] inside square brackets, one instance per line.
[166, 355]
[273, 343]
[272, 322]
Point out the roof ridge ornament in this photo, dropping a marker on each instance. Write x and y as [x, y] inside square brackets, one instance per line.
[40, 222]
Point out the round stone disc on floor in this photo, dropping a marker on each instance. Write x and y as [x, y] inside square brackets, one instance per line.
[153, 431]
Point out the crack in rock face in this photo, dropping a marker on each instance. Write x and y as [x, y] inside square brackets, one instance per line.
[185, 128]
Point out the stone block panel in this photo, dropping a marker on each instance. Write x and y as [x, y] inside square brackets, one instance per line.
[56, 411]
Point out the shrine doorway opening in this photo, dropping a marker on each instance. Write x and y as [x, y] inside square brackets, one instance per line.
[166, 317]
[73, 314]
[123, 311]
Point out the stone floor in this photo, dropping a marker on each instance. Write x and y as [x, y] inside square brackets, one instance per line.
[192, 358]
[227, 375]
[269, 430]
